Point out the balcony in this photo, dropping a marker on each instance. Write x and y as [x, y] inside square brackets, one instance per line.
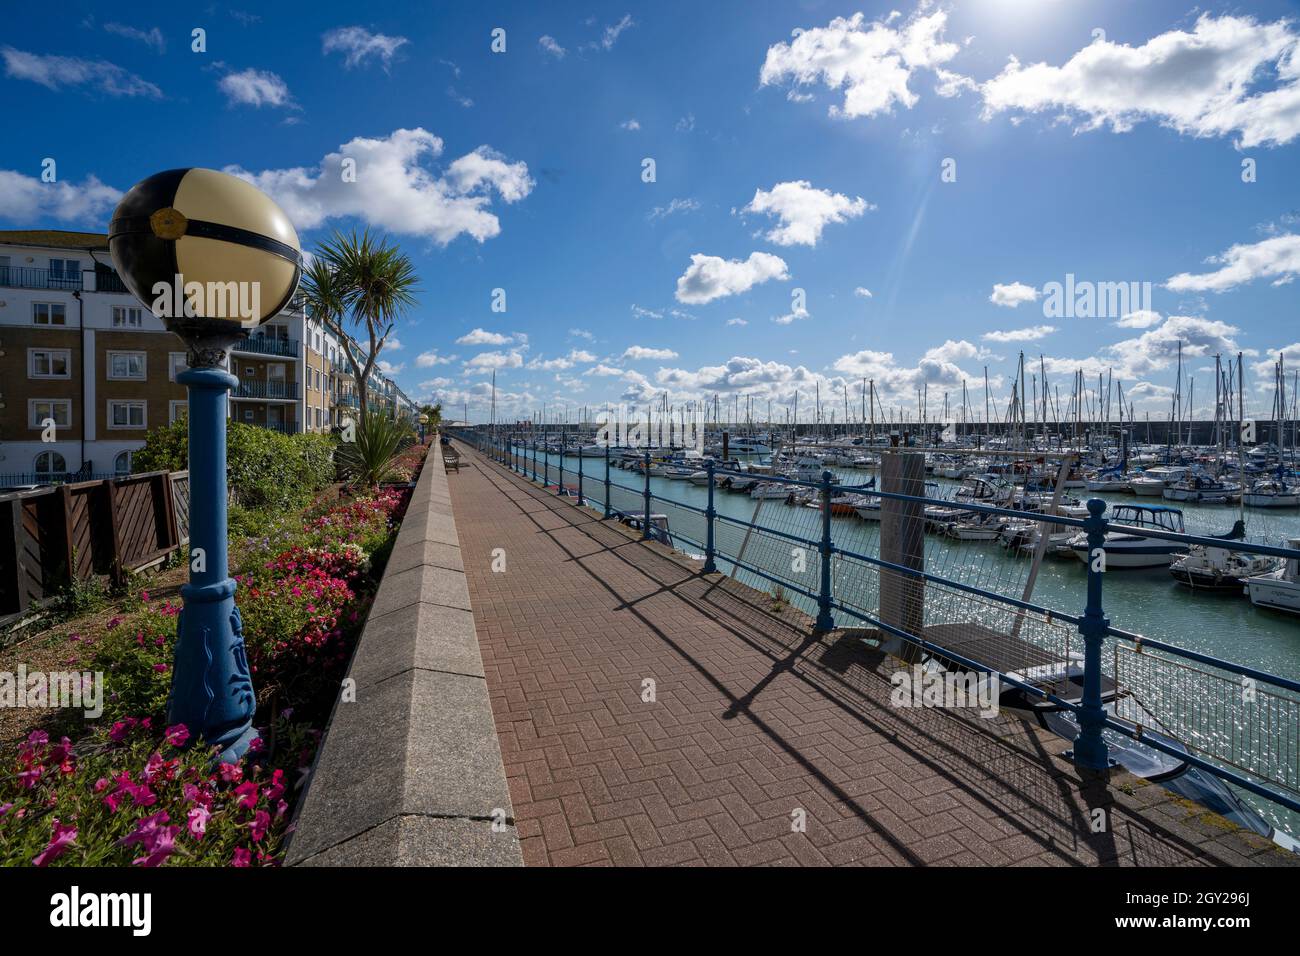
[268, 345]
[258, 388]
[21, 277]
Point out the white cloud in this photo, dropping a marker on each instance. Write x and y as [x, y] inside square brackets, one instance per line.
[612, 33]
[872, 63]
[395, 191]
[641, 313]
[484, 337]
[559, 364]
[1277, 258]
[674, 206]
[637, 353]
[582, 334]
[1206, 82]
[388, 368]
[803, 211]
[795, 314]
[605, 370]
[1012, 294]
[737, 322]
[59, 72]
[431, 358]
[631, 125]
[1030, 334]
[486, 362]
[25, 199]
[435, 383]
[862, 292]
[1141, 319]
[548, 44]
[394, 345]
[252, 87]
[153, 37]
[711, 277]
[358, 45]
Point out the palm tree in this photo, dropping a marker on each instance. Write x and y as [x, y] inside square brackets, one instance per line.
[367, 279]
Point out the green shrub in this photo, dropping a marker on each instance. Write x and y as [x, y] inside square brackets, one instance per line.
[267, 469]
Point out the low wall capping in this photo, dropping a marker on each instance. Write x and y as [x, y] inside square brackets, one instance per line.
[410, 774]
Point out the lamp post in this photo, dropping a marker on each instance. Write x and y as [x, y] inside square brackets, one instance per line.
[213, 257]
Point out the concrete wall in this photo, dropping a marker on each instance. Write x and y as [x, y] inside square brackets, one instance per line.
[410, 774]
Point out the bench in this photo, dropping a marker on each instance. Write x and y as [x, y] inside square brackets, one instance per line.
[451, 460]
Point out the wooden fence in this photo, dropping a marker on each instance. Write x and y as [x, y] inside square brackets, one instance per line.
[108, 528]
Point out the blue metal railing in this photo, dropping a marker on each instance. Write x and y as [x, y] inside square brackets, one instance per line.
[268, 345]
[257, 388]
[1278, 784]
[23, 277]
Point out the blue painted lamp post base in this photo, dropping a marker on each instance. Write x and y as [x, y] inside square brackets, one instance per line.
[212, 690]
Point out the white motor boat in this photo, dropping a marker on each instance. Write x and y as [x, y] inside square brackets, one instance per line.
[1202, 489]
[1153, 481]
[770, 489]
[1128, 550]
[1278, 589]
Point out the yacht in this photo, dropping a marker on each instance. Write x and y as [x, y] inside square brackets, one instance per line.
[1218, 569]
[1152, 482]
[1279, 589]
[1272, 493]
[1202, 489]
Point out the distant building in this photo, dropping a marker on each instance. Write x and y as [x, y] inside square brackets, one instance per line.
[77, 348]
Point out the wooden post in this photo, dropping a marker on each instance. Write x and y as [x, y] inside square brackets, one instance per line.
[902, 542]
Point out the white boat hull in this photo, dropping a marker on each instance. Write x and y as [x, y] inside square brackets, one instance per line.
[1274, 592]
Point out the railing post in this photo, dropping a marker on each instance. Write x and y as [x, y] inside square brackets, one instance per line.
[645, 522]
[546, 464]
[579, 474]
[607, 511]
[1090, 749]
[559, 482]
[825, 622]
[709, 566]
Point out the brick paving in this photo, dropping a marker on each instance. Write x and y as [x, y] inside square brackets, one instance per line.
[754, 720]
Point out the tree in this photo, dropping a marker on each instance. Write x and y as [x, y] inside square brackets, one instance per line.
[432, 414]
[368, 280]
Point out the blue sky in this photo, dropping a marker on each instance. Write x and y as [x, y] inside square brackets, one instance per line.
[782, 164]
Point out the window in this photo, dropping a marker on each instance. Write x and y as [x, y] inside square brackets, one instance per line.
[48, 363]
[50, 464]
[275, 372]
[126, 415]
[248, 414]
[127, 317]
[177, 409]
[65, 273]
[126, 365]
[49, 313]
[122, 463]
[40, 409]
[177, 363]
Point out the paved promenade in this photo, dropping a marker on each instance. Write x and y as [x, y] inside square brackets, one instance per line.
[754, 725]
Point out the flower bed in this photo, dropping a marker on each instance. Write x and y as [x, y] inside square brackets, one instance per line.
[132, 791]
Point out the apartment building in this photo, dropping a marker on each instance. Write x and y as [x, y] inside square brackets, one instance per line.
[76, 348]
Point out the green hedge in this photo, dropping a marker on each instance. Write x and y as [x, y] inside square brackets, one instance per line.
[267, 469]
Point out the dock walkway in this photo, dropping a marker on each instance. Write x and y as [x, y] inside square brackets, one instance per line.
[755, 724]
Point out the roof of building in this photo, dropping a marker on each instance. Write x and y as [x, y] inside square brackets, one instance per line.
[53, 238]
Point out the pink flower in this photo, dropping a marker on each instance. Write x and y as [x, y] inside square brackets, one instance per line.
[261, 823]
[199, 821]
[160, 668]
[241, 858]
[246, 795]
[118, 732]
[162, 846]
[147, 830]
[144, 596]
[231, 772]
[63, 837]
[177, 735]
